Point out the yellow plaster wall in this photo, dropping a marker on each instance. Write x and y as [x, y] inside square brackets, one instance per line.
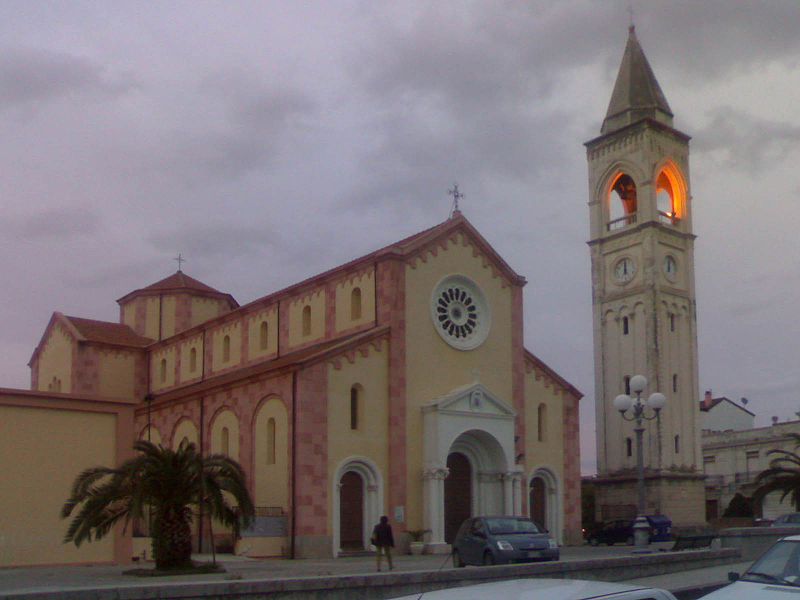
[433, 367]
[152, 317]
[316, 300]
[370, 439]
[38, 470]
[55, 360]
[550, 451]
[168, 305]
[271, 485]
[169, 354]
[225, 418]
[234, 330]
[117, 373]
[186, 373]
[129, 315]
[254, 349]
[185, 429]
[204, 309]
[366, 283]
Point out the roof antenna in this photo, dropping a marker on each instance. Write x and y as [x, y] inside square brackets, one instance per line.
[180, 260]
[631, 26]
[456, 196]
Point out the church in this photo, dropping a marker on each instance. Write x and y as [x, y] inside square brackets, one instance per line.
[395, 384]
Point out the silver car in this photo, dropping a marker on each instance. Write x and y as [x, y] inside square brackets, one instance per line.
[545, 589]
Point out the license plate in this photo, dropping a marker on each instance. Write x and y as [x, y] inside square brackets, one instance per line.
[534, 554]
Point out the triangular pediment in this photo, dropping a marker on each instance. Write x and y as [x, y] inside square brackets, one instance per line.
[475, 399]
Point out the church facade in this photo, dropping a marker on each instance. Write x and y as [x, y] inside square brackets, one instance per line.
[394, 384]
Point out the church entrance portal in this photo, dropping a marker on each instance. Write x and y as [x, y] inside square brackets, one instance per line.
[536, 502]
[351, 511]
[457, 494]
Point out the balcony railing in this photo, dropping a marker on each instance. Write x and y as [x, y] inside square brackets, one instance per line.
[622, 222]
[668, 218]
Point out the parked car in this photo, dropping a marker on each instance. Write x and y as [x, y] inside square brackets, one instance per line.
[787, 520]
[612, 532]
[545, 589]
[497, 540]
[772, 576]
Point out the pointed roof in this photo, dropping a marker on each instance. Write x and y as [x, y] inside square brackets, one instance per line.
[180, 282]
[637, 94]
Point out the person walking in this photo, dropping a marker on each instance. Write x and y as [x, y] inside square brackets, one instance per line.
[383, 540]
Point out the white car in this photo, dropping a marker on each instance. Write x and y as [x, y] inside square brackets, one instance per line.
[776, 574]
[545, 589]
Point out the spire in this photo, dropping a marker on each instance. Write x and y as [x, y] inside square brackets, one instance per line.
[637, 94]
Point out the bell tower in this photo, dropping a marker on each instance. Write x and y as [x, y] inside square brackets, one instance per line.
[643, 298]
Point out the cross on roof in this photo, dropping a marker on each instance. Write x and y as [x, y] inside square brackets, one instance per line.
[456, 196]
[180, 260]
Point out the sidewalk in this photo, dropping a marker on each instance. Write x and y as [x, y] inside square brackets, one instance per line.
[53, 579]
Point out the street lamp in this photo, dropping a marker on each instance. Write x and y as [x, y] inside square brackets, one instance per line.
[623, 403]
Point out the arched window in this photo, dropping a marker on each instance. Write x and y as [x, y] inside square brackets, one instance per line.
[355, 304]
[355, 400]
[306, 320]
[192, 360]
[226, 348]
[225, 441]
[677, 444]
[674, 382]
[672, 322]
[541, 424]
[669, 196]
[271, 441]
[628, 447]
[263, 335]
[624, 325]
[163, 370]
[622, 202]
[628, 384]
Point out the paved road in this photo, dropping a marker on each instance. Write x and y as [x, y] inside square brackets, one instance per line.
[29, 579]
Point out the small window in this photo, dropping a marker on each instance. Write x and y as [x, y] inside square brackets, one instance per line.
[541, 431]
[306, 320]
[628, 447]
[677, 444]
[624, 325]
[163, 370]
[628, 385]
[709, 460]
[354, 402]
[226, 348]
[271, 441]
[674, 382]
[225, 441]
[192, 360]
[672, 322]
[263, 335]
[355, 304]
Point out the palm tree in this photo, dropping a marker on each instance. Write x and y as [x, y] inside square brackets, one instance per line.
[168, 484]
[783, 474]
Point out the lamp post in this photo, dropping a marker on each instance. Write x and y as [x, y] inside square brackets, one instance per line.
[623, 403]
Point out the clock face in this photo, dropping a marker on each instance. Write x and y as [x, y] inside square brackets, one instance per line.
[670, 268]
[460, 312]
[624, 270]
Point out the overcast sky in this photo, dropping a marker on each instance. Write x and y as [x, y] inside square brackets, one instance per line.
[270, 141]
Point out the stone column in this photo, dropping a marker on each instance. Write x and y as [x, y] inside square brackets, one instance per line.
[433, 505]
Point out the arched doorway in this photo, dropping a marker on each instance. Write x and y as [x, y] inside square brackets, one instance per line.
[351, 511]
[457, 494]
[536, 502]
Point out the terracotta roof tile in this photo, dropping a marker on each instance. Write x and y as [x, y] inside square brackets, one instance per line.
[108, 333]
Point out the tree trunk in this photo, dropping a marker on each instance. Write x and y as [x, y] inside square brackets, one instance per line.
[172, 539]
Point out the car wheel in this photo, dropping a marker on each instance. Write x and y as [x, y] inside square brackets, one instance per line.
[594, 541]
[629, 540]
[457, 562]
[488, 558]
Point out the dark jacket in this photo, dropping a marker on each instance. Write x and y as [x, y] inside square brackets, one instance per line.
[382, 535]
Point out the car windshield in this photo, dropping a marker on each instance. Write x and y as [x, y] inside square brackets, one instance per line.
[506, 525]
[779, 564]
